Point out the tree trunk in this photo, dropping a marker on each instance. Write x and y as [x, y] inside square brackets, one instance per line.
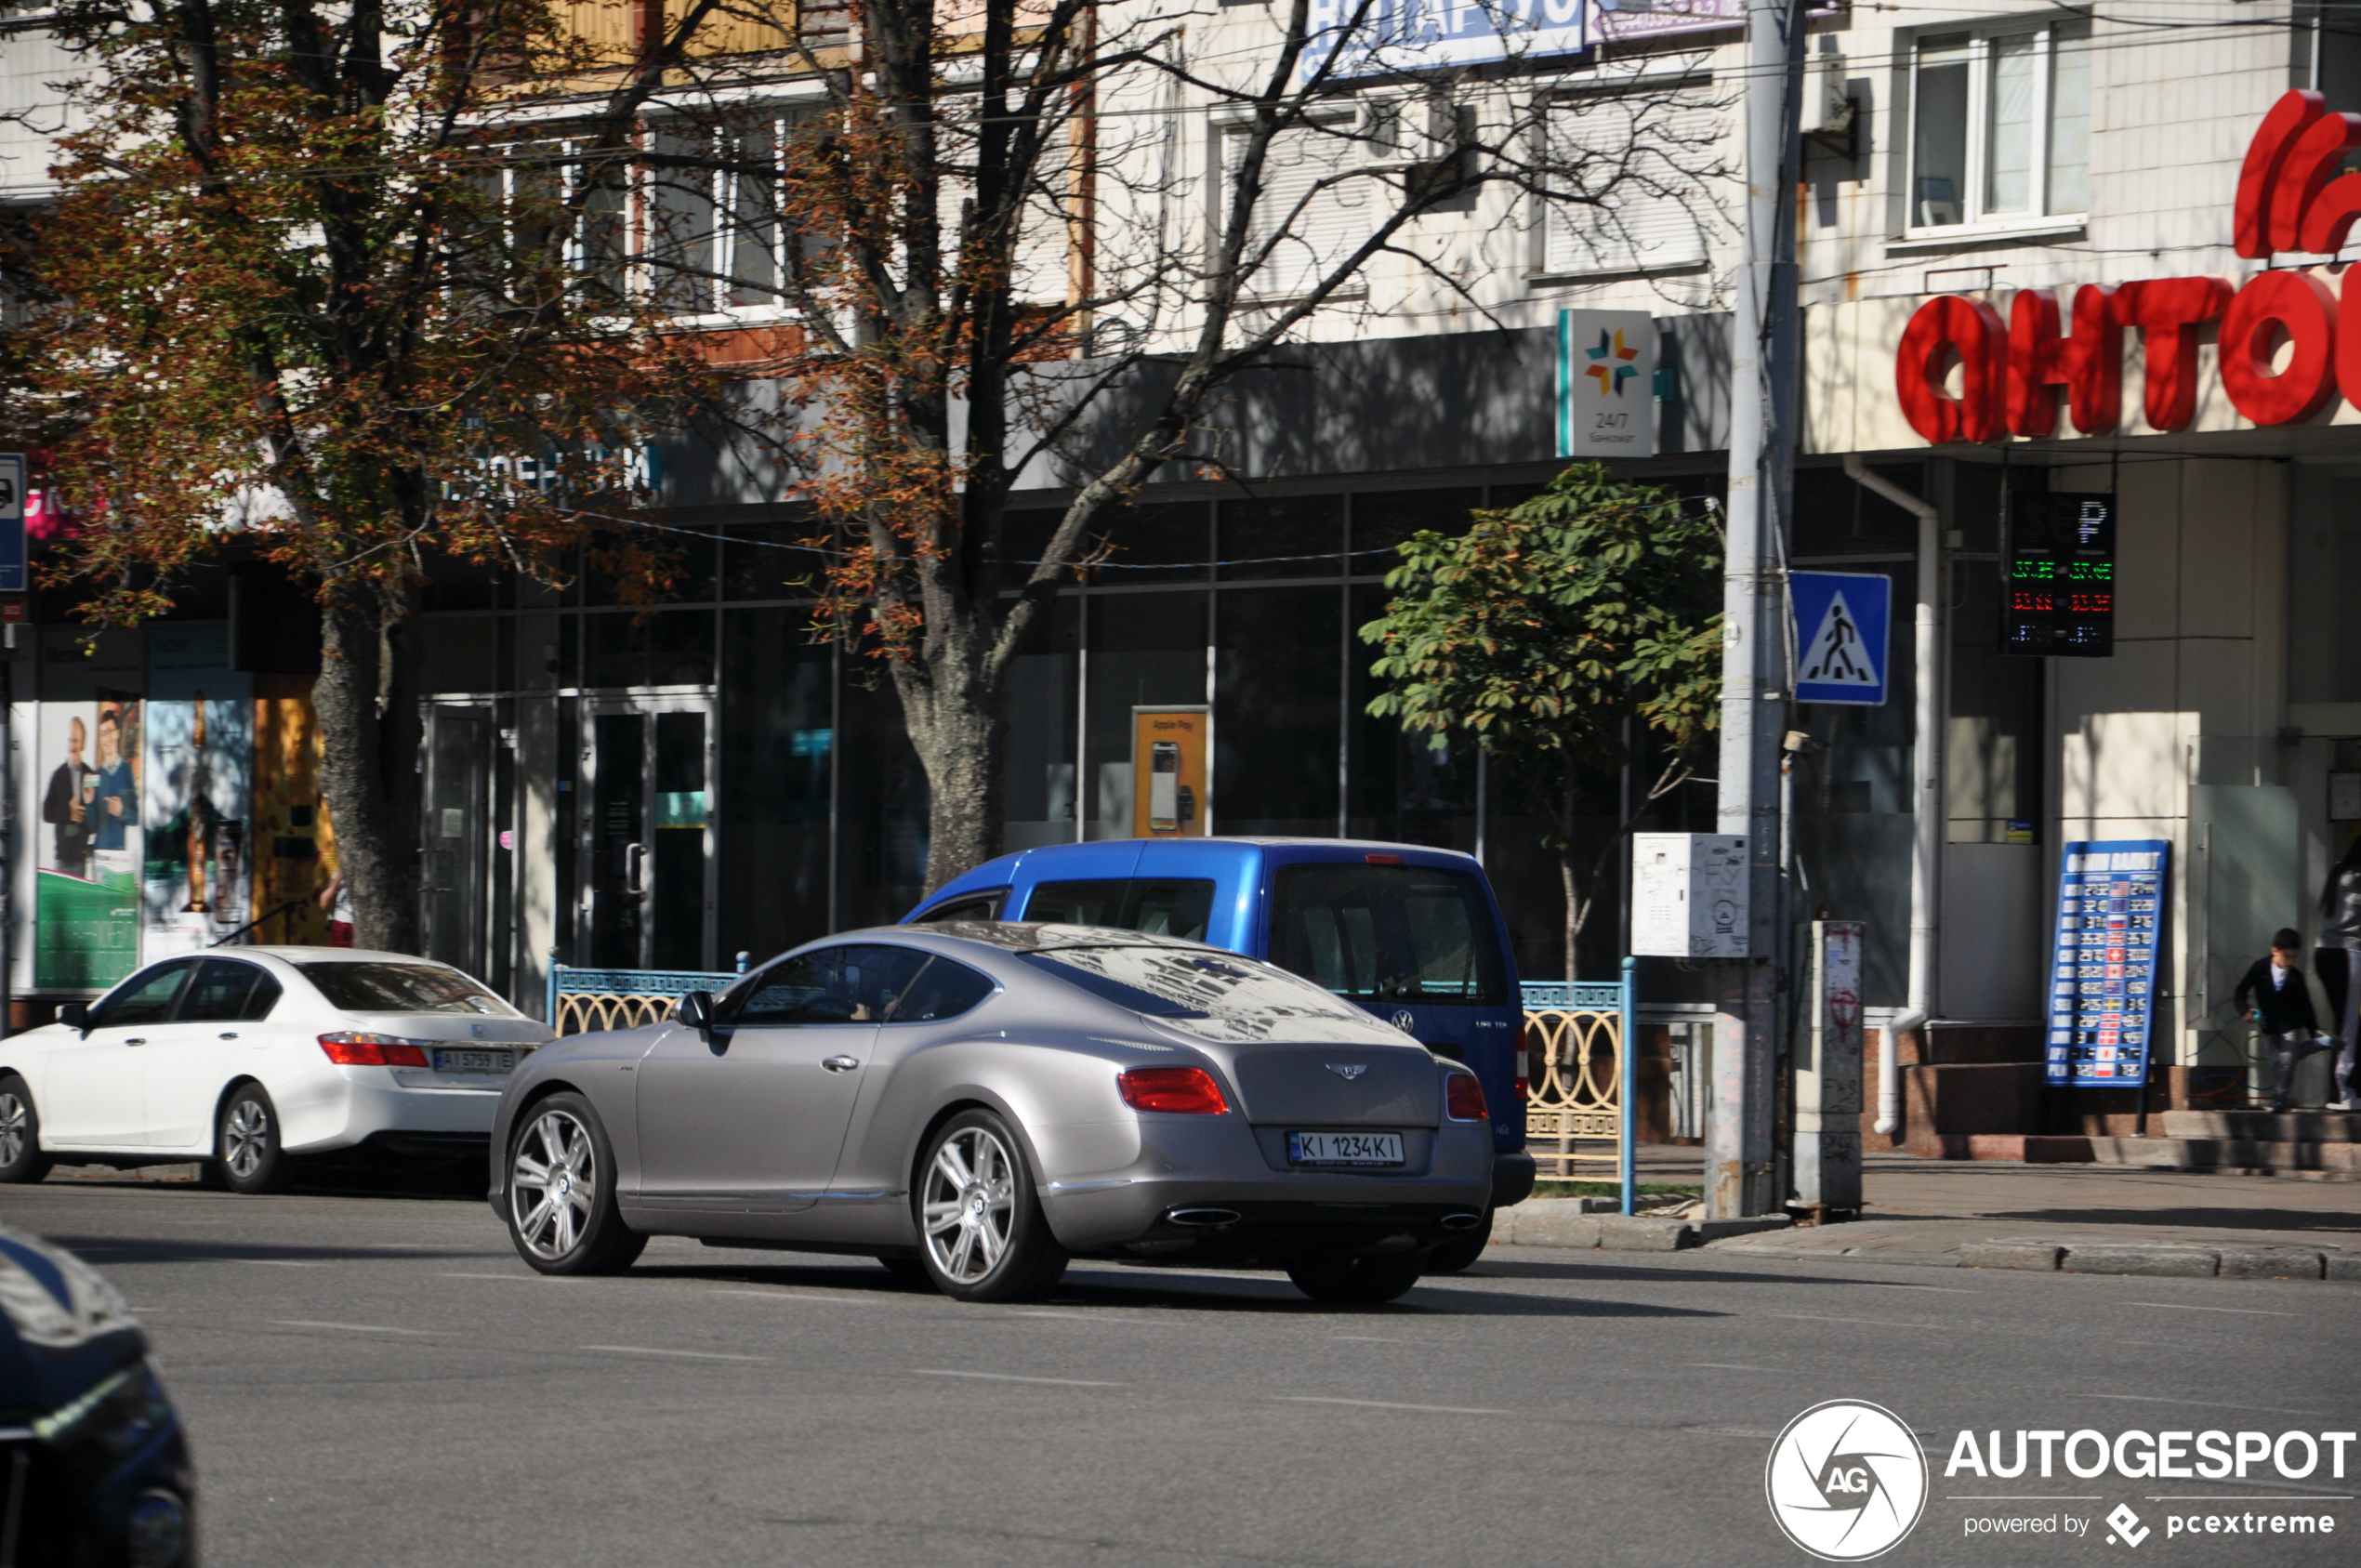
[1575, 911]
[952, 710]
[371, 735]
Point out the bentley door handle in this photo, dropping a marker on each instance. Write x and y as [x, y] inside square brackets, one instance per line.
[230, 1035]
[840, 1064]
[136, 1040]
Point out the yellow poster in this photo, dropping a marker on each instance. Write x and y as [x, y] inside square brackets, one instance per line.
[1169, 749]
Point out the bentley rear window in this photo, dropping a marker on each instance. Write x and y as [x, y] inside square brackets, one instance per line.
[1214, 995]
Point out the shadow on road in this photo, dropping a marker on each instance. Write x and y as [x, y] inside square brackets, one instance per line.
[112, 1251]
[1103, 1286]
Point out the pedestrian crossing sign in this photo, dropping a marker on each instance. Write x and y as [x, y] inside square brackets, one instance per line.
[1839, 622]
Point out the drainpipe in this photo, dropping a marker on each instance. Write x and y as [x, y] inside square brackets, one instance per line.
[1927, 825]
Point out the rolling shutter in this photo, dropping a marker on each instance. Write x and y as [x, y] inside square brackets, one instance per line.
[1333, 223]
[1637, 166]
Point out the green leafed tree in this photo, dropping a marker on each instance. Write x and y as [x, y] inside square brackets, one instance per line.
[1543, 629]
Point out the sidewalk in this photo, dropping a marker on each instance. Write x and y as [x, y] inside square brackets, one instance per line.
[1926, 1210]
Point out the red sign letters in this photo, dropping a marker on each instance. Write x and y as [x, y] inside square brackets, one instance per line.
[2291, 199]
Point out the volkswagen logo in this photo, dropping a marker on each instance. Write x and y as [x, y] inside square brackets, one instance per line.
[1348, 1071]
[1402, 1021]
[1846, 1480]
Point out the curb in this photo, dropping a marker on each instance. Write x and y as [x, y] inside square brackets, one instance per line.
[2173, 1262]
[1563, 1223]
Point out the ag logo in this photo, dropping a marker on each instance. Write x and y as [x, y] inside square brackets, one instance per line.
[1846, 1480]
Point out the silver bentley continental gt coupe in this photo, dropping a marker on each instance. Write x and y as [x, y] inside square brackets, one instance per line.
[978, 1102]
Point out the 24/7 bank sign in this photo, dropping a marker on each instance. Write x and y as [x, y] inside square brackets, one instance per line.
[2291, 199]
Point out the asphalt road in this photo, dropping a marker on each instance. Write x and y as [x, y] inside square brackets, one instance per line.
[377, 1380]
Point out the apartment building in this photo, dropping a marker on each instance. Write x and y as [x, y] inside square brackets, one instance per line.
[614, 786]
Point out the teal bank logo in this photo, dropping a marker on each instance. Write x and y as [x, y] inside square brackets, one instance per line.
[1846, 1480]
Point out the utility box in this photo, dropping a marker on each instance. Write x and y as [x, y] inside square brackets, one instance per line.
[1828, 1074]
[1689, 895]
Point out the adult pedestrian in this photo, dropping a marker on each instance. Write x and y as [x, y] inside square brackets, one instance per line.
[2275, 996]
[2338, 960]
[337, 898]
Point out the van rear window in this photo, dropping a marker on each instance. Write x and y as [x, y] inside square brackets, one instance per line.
[1389, 933]
[1162, 906]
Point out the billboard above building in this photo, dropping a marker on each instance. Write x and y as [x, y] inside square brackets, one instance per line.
[1620, 19]
[1389, 37]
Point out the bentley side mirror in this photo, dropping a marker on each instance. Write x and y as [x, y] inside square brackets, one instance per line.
[696, 1012]
[75, 1015]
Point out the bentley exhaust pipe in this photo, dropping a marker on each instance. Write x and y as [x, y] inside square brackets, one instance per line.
[1202, 1218]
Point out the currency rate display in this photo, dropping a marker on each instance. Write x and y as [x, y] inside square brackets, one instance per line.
[2102, 977]
[2057, 566]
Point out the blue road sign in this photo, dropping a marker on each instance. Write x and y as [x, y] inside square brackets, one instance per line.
[12, 572]
[1841, 619]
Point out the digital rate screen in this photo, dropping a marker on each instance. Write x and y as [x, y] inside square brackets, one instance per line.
[2057, 576]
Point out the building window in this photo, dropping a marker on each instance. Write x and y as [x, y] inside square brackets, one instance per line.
[2000, 127]
[1316, 207]
[716, 228]
[1630, 173]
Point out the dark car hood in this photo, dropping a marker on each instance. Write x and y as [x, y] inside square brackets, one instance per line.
[62, 1328]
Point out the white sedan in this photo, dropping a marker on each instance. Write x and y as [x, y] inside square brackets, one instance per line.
[249, 1057]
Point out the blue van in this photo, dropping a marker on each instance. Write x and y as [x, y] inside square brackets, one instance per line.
[1411, 933]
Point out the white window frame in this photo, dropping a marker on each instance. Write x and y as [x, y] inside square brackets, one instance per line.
[1544, 212]
[1973, 219]
[727, 236]
[1355, 117]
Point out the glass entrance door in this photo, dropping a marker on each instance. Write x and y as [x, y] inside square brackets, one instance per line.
[648, 838]
[458, 832]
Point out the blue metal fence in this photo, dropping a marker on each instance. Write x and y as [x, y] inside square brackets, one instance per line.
[1567, 1020]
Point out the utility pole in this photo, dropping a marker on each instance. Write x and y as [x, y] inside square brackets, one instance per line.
[1764, 344]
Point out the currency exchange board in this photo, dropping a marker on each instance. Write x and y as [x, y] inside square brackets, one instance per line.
[2103, 977]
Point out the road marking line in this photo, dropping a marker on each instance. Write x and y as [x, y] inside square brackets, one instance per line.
[349, 1327]
[1388, 1405]
[1941, 1289]
[684, 1355]
[782, 1296]
[1077, 1317]
[1012, 1378]
[275, 1263]
[1731, 1366]
[2178, 1307]
[528, 1278]
[1873, 1323]
[1374, 1339]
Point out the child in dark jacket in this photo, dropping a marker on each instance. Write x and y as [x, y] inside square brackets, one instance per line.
[2275, 996]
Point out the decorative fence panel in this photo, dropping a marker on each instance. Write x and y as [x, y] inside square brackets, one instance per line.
[582, 1000]
[1580, 1078]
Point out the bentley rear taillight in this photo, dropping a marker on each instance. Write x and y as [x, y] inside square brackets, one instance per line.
[1463, 1098]
[1188, 1089]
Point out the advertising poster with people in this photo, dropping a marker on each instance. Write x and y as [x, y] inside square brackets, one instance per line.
[199, 761]
[86, 897]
